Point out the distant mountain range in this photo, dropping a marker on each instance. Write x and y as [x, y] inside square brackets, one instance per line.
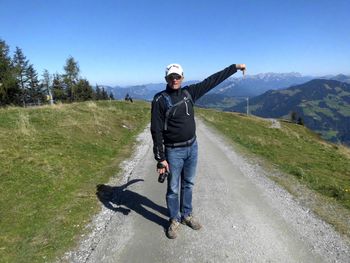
[238, 89]
[342, 78]
[234, 91]
[141, 92]
[251, 85]
[323, 105]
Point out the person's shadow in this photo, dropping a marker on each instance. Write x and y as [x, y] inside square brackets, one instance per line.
[120, 199]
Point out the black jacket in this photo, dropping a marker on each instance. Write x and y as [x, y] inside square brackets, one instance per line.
[181, 124]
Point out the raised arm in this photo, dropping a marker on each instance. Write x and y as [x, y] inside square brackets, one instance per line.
[199, 89]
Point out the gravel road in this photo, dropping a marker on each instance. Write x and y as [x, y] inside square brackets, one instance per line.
[246, 216]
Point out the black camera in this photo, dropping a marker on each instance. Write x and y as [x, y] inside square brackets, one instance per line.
[164, 175]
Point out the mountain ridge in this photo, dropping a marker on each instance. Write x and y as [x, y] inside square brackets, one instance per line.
[323, 105]
[250, 85]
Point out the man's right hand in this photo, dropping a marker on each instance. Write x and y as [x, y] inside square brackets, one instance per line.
[165, 165]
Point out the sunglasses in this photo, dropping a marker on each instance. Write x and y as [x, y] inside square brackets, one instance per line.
[174, 77]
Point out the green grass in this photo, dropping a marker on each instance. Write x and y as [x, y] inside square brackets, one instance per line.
[52, 158]
[294, 149]
[333, 102]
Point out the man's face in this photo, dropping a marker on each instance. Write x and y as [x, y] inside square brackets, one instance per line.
[174, 81]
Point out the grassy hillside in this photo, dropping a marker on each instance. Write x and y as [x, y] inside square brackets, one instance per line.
[52, 158]
[295, 150]
[217, 101]
[323, 105]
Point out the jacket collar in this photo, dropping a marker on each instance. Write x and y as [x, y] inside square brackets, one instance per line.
[176, 92]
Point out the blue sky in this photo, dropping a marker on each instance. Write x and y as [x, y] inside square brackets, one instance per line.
[128, 42]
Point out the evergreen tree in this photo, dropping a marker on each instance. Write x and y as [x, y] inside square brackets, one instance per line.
[293, 117]
[98, 93]
[104, 94]
[9, 91]
[83, 90]
[300, 121]
[71, 77]
[35, 91]
[59, 91]
[47, 85]
[21, 67]
[111, 96]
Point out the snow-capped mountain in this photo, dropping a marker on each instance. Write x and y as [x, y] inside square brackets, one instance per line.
[248, 86]
[253, 85]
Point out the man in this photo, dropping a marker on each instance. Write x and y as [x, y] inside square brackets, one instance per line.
[174, 140]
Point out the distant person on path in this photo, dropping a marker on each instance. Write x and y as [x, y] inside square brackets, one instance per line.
[174, 140]
[128, 97]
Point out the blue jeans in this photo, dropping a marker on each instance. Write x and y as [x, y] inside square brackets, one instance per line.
[182, 163]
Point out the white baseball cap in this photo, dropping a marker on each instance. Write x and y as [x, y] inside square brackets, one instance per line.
[174, 68]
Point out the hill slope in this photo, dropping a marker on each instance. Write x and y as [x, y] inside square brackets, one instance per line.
[324, 105]
[52, 158]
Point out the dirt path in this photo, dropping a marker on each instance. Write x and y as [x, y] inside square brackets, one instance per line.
[246, 217]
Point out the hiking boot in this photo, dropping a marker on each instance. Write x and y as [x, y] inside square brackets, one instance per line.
[191, 222]
[173, 229]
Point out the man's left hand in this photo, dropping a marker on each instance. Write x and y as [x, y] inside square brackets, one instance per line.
[241, 67]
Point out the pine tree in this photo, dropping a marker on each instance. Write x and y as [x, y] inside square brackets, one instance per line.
[300, 121]
[9, 91]
[293, 117]
[35, 91]
[21, 66]
[71, 77]
[104, 94]
[59, 91]
[47, 85]
[111, 96]
[98, 93]
[83, 90]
